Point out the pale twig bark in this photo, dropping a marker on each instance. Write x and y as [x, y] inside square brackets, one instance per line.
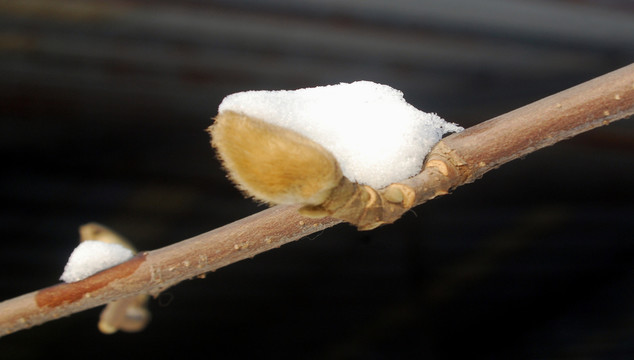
[154, 271]
[456, 160]
[464, 157]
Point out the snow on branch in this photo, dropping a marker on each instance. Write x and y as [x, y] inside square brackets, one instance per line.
[456, 160]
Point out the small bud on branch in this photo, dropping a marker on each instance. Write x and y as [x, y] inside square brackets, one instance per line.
[458, 159]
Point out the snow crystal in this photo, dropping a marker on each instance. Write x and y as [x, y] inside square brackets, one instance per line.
[91, 256]
[375, 135]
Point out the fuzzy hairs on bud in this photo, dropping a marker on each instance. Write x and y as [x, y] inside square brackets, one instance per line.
[273, 164]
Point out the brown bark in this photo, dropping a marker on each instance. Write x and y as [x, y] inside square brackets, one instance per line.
[458, 159]
[466, 156]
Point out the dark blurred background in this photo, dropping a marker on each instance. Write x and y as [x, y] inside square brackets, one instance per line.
[103, 107]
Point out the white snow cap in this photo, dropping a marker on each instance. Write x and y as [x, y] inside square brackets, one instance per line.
[375, 135]
[92, 256]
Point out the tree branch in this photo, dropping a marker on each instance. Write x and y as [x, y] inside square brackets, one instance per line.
[456, 160]
[464, 157]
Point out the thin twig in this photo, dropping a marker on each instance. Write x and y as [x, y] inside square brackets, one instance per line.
[458, 159]
[154, 271]
[464, 157]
